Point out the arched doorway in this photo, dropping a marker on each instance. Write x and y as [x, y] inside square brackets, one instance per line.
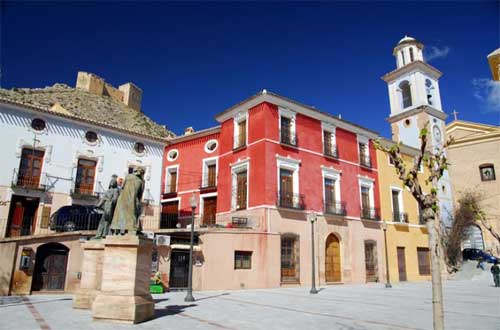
[50, 267]
[474, 239]
[332, 259]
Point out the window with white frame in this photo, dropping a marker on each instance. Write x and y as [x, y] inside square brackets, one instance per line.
[368, 210]
[364, 151]
[398, 214]
[171, 179]
[239, 179]
[288, 183]
[329, 141]
[209, 173]
[287, 127]
[240, 130]
[331, 192]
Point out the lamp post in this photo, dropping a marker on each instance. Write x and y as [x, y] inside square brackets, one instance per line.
[189, 296]
[387, 276]
[312, 219]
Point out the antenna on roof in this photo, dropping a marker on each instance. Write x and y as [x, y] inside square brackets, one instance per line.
[340, 116]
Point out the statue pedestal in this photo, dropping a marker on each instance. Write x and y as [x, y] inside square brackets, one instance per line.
[90, 284]
[124, 295]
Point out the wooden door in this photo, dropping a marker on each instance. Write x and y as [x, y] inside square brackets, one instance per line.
[30, 168]
[85, 175]
[209, 210]
[286, 188]
[332, 259]
[401, 264]
[54, 273]
[173, 182]
[330, 202]
[289, 259]
[211, 179]
[241, 190]
[371, 261]
[242, 130]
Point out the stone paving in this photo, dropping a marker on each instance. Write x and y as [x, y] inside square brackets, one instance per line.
[469, 304]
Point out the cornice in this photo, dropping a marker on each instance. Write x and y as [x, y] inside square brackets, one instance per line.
[423, 108]
[414, 66]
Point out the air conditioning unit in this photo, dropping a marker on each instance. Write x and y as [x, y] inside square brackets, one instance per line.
[162, 240]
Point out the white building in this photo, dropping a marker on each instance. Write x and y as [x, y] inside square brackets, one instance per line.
[415, 101]
[61, 145]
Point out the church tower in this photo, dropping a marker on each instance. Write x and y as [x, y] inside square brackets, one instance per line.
[415, 101]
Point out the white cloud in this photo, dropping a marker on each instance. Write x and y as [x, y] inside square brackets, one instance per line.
[487, 92]
[435, 53]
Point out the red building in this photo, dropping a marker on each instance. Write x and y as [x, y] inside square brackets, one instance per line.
[258, 178]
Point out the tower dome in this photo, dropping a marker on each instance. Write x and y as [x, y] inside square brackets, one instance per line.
[408, 50]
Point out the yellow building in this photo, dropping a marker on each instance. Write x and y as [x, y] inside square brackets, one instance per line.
[407, 239]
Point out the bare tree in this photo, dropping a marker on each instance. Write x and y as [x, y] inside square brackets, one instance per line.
[436, 162]
[472, 201]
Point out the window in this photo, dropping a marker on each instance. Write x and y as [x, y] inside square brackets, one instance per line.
[367, 200]
[364, 154]
[172, 155]
[405, 89]
[397, 206]
[287, 127]
[85, 174]
[211, 146]
[30, 168]
[242, 259]
[403, 57]
[240, 131]
[429, 89]
[487, 172]
[169, 215]
[329, 145]
[411, 54]
[288, 183]
[239, 197]
[139, 148]
[424, 266]
[391, 161]
[38, 124]
[209, 210]
[290, 258]
[209, 179]
[91, 136]
[171, 179]
[331, 191]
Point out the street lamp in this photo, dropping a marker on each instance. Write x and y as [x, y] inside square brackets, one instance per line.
[189, 295]
[387, 276]
[312, 219]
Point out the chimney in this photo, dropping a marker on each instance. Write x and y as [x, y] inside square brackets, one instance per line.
[132, 96]
[90, 82]
[189, 130]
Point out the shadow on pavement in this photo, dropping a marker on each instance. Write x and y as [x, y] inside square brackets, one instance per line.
[171, 310]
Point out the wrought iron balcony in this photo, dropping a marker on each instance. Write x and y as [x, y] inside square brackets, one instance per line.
[239, 222]
[82, 192]
[330, 150]
[370, 213]
[239, 198]
[29, 179]
[169, 221]
[288, 138]
[290, 200]
[365, 161]
[337, 208]
[400, 217]
[170, 191]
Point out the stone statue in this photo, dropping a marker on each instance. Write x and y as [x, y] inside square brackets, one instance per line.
[129, 208]
[107, 204]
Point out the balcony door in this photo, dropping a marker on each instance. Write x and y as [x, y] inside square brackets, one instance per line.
[395, 205]
[209, 210]
[286, 187]
[330, 202]
[365, 202]
[211, 175]
[401, 264]
[85, 175]
[241, 190]
[30, 168]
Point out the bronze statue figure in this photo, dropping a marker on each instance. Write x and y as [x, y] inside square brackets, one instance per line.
[129, 208]
[107, 204]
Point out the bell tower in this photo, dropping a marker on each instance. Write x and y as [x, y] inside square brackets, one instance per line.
[415, 101]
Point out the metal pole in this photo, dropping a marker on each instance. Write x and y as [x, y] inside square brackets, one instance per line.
[189, 296]
[387, 276]
[313, 287]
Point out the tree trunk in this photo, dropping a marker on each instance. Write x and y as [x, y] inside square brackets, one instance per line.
[437, 288]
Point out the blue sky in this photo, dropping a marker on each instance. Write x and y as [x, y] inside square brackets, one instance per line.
[194, 60]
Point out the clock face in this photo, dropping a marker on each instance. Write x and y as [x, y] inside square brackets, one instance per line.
[437, 133]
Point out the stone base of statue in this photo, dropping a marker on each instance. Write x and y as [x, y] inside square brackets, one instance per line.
[90, 284]
[124, 295]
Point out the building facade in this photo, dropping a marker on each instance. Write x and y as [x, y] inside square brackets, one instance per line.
[61, 146]
[407, 237]
[475, 159]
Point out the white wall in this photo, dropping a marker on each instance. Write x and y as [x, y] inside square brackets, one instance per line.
[64, 141]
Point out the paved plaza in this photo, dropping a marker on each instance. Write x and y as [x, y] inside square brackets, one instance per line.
[470, 304]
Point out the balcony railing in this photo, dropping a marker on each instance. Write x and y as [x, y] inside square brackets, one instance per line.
[240, 140]
[209, 182]
[170, 191]
[27, 179]
[239, 198]
[83, 192]
[336, 208]
[290, 200]
[169, 221]
[369, 213]
[330, 151]
[365, 161]
[288, 138]
[400, 217]
[20, 227]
